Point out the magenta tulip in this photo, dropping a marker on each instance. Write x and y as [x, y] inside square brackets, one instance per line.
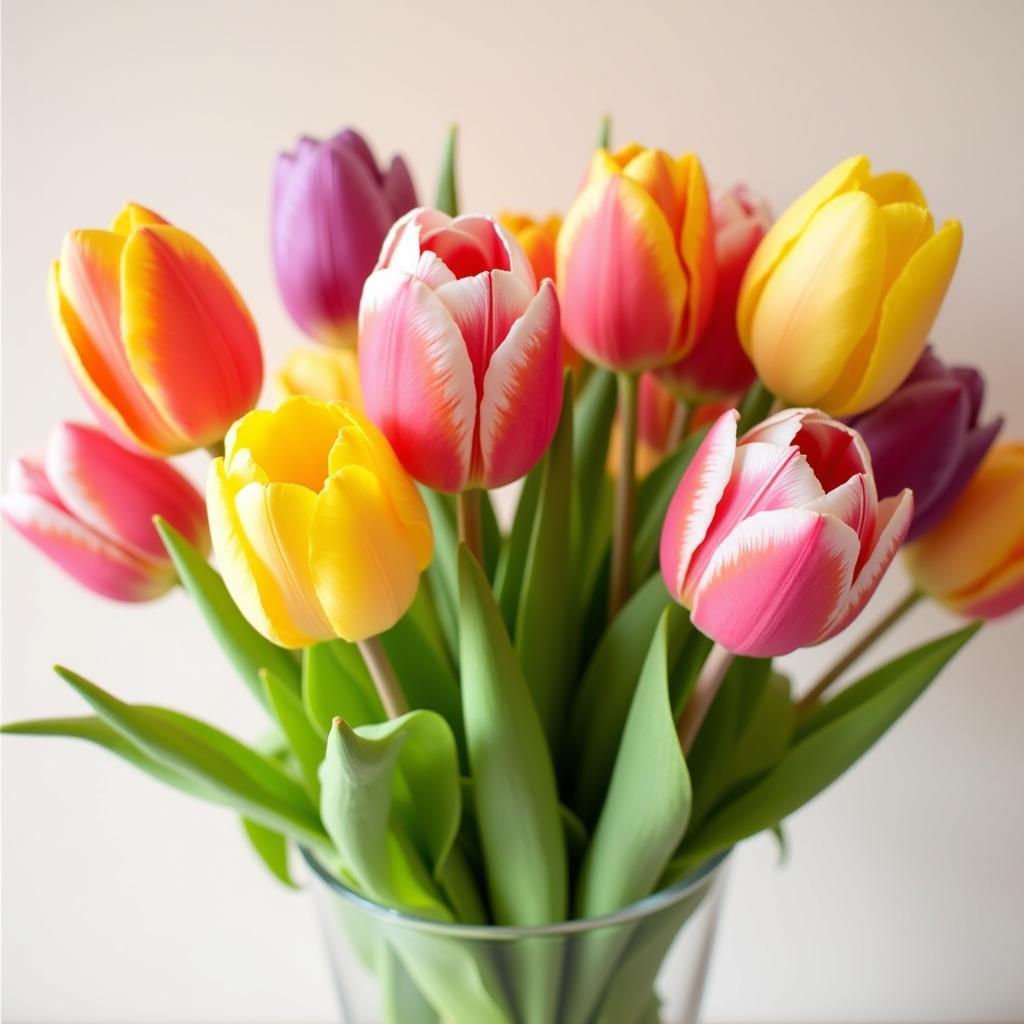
[89, 504]
[332, 208]
[776, 541]
[460, 353]
[926, 436]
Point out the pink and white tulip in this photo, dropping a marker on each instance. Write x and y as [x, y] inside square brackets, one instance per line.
[777, 541]
[88, 505]
[460, 352]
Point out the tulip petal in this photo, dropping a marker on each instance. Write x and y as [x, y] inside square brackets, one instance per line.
[276, 520]
[522, 391]
[364, 568]
[399, 188]
[328, 374]
[664, 180]
[693, 505]
[893, 521]
[820, 300]
[27, 475]
[853, 502]
[1000, 594]
[894, 187]
[775, 583]
[908, 312]
[620, 279]
[93, 560]
[784, 233]
[401, 248]
[417, 379]
[189, 338]
[132, 217]
[697, 250]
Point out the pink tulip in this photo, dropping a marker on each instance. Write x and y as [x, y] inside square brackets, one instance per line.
[460, 352]
[89, 504]
[778, 540]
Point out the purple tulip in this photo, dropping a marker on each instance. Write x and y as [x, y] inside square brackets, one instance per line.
[332, 208]
[926, 437]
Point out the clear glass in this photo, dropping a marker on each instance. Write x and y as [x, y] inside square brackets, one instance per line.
[645, 964]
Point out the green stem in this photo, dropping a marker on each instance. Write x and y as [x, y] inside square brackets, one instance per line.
[756, 405]
[625, 495]
[384, 679]
[716, 665]
[811, 698]
[471, 530]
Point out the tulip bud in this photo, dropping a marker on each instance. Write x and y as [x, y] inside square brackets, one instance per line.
[89, 504]
[460, 352]
[972, 560]
[331, 210]
[926, 436]
[636, 260]
[327, 374]
[317, 529]
[718, 367]
[160, 343]
[776, 541]
[836, 305]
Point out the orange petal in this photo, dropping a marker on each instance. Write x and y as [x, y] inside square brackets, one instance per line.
[132, 217]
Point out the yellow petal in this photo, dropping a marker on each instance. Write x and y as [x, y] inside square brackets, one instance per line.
[894, 187]
[364, 569]
[784, 232]
[132, 217]
[696, 249]
[664, 180]
[602, 166]
[327, 374]
[907, 314]
[820, 300]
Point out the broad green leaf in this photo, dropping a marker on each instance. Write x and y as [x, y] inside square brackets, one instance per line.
[829, 743]
[248, 650]
[304, 742]
[443, 572]
[391, 802]
[514, 781]
[447, 186]
[508, 579]
[593, 418]
[491, 531]
[254, 785]
[648, 804]
[272, 849]
[401, 1001]
[545, 626]
[336, 683]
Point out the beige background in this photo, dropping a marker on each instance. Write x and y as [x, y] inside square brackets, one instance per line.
[123, 901]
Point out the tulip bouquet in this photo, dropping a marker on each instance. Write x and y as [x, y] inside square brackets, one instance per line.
[507, 711]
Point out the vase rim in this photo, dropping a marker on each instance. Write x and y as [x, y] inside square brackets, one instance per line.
[659, 900]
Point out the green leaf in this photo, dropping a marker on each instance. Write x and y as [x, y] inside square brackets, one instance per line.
[336, 683]
[508, 579]
[514, 781]
[545, 626]
[391, 802]
[604, 133]
[303, 739]
[648, 804]
[593, 418]
[756, 405]
[251, 783]
[829, 742]
[491, 533]
[443, 572]
[248, 650]
[272, 849]
[447, 189]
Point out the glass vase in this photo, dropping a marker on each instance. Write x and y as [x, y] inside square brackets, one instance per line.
[645, 964]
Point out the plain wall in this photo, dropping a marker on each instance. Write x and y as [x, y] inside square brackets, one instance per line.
[125, 901]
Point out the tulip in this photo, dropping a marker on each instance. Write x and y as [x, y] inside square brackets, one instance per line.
[926, 436]
[973, 559]
[331, 210]
[317, 529]
[328, 374]
[778, 540]
[460, 352]
[718, 367]
[636, 260]
[836, 305]
[89, 504]
[160, 343]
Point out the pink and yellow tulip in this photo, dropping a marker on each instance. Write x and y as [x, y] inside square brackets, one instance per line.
[776, 541]
[318, 531]
[837, 303]
[160, 343]
[88, 505]
[636, 259]
[460, 352]
[718, 367]
[328, 374]
[972, 560]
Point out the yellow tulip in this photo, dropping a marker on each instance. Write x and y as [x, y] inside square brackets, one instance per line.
[837, 302]
[317, 529]
[328, 374]
[972, 560]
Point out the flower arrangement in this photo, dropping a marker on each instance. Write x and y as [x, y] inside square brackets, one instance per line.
[723, 428]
